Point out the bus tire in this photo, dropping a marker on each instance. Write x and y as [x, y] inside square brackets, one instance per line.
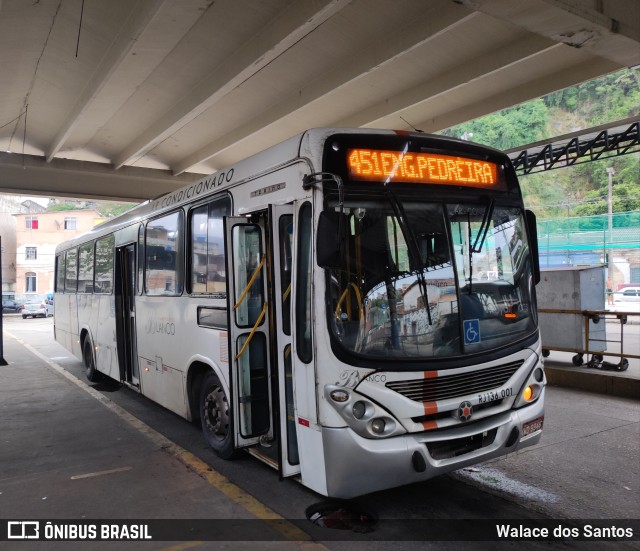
[91, 372]
[215, 417]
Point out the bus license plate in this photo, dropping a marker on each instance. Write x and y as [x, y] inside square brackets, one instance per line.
[532, 426]
[494, 395]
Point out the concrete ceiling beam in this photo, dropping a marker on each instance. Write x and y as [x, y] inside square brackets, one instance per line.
[292, 24]
[32, 175]
[372, 56]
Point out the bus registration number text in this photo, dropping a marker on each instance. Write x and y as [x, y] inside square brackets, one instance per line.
[494, 395]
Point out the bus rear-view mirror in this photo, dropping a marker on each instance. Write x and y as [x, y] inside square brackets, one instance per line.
[532, 231]
[330, 239]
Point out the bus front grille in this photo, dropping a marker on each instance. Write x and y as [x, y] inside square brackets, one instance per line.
[461, 446]
[452, 386]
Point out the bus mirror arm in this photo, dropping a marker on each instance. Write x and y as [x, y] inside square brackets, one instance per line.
[310, 180]
[332, 225]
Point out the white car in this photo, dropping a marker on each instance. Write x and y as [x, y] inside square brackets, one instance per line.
[35, 310]
[628, 294]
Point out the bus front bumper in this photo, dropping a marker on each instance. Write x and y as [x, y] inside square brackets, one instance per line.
[357, 466]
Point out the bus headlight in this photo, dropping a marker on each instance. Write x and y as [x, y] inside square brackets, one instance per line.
[378, 426]
[339, 395]
[364, 417]
[532, 389]
[359, 409]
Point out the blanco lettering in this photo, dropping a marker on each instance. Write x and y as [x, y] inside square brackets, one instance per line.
[349, 379]
[162, 326]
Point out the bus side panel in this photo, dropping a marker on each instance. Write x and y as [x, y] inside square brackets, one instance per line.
[165, 339]
[105, 338]
[87, 315]
[313, 468]
[65, 319]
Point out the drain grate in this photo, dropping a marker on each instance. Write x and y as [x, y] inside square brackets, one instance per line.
[342, 515]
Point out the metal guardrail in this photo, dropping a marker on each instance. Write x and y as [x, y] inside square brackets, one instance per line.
[597, 358]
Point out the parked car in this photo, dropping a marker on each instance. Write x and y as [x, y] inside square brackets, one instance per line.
[628, 294]
[9, 305]
[35, 310]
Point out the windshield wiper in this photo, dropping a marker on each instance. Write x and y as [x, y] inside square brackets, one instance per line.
[480, 238]
[412, 245]
[484, 228]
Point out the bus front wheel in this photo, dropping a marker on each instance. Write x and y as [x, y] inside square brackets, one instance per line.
[91, 372]
[215, 416]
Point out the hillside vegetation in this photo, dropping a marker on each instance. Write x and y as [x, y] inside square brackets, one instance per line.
[579, 190]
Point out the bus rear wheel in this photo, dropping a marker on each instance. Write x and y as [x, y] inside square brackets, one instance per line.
[215, 416]
[91, 372]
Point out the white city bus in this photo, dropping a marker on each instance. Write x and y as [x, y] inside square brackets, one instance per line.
[325, 304]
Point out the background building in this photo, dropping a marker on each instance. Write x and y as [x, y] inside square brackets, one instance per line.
[37, 236]
[9, 207]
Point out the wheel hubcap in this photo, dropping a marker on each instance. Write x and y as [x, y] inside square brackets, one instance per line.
[216, 413]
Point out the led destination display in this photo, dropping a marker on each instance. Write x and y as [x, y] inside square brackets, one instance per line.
[421, 168]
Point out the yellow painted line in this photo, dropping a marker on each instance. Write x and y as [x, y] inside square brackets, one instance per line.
[101, 473]
[258, 509]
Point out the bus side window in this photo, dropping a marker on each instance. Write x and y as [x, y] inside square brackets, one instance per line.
[199, 249]
[60, 271]
[71, 277]
[285, 229]
[85, 268]
[208, 263]
[304, 319]
[103, 272]
[163, 272]
[249, 261]
[216, 262]
[140, 261]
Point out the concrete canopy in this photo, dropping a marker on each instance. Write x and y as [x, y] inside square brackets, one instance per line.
[130, 99]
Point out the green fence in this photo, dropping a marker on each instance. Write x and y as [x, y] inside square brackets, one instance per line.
[590, 232]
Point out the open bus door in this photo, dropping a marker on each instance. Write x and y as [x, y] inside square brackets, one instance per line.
[125, 285]
[281, 255]
[259, 262]
[249, 337]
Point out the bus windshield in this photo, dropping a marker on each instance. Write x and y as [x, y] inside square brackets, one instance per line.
[419, 280]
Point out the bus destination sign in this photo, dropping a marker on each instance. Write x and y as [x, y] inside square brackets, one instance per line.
[421, 168]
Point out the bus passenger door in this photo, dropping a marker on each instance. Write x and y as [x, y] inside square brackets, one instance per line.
[125, 285]
[281, 248]
[248, 330]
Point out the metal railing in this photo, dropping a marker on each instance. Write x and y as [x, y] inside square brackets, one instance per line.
[578, 147]
[597, 357]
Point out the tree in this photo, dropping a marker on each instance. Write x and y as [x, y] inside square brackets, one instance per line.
[580, 189]
[519, 125]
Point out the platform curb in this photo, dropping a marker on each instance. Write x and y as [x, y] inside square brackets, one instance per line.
[590, 380]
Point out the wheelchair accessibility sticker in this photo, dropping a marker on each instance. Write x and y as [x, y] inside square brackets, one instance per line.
[471, 331]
